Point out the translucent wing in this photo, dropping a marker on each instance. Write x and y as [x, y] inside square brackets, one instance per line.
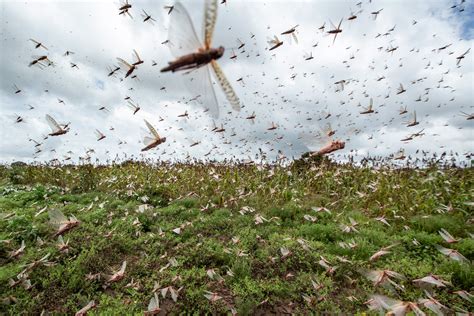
[57, 218]
[148, 140]
[152, 129]
[124, 64]
[136, 55]
[294, 37]
[435, 308]
[174, 294]
[199, 82]
[228, 90]
[181, 34]
[384, 301]
[210, 18]
[154, 303]
[52, 123]
[124, 266]
[273, 41]
[327, 129]
[314, 141]
[131, 105]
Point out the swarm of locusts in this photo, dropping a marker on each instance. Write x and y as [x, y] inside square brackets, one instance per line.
[236, 238]
[261, 235]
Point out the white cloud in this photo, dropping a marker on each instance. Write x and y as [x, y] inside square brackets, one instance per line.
[98, 35]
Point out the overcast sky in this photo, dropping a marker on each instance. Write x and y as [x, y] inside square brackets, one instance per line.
[280, 86]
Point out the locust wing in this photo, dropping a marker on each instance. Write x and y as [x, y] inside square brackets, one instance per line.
[148, 140]
[124, 63]
[52, 123]
[182, 37]
[226, 86]
[210, 18]
[154, 303]
[314, 141]
[132, 106]
[152, 130]
[384, 301]
[57, 218]
[124, 266]
[136, 55]
[273, 41]
[199, 82]
[294, 37]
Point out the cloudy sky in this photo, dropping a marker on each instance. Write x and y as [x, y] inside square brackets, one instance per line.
[403, 45]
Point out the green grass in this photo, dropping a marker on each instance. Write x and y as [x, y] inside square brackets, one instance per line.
[216, 207]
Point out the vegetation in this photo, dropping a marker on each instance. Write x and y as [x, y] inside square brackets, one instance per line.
[224, 238]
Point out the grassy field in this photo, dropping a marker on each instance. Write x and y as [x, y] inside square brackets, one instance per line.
[224, 239]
